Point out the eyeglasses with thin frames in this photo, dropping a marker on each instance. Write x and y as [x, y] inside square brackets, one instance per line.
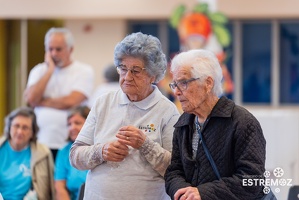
[23, 128]
[135, 70]
[182, 85]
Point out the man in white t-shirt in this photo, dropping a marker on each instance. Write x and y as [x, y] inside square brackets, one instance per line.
[57, 85]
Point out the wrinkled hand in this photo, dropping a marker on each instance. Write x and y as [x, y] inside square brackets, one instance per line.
[115, 151]
[189, 193]
[131, 136]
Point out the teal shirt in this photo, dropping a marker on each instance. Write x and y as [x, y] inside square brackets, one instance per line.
[15, 173]
[64, 171]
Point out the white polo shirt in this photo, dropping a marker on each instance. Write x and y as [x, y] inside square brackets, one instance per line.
[134, 178]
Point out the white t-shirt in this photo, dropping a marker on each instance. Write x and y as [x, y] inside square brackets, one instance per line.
[133, 178]
[53, 122]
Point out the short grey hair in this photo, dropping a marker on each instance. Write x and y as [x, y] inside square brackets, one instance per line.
[25, 112]
[203, 64]
[146, 47]
[68, 36]
[110, 73]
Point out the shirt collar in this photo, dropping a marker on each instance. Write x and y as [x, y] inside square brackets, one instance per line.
[144, 104]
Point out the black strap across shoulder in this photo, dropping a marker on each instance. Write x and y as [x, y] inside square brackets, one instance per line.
[207, 151]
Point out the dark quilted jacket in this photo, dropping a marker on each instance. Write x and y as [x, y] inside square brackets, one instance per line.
[235, 140]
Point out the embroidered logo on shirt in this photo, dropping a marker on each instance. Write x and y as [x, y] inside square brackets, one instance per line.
[148, 128]
[25, 170]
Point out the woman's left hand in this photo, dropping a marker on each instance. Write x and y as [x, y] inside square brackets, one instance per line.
[132, 136]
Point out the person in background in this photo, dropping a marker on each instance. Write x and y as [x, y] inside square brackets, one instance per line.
[26, 166]
[57, 85]
[126, 140]
[111, 83]
[67, 178]
[230, 133]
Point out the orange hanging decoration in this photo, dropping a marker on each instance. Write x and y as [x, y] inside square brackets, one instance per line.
[194, 30]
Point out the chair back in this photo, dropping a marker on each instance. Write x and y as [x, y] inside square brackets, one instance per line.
[294, 193]
[81, 192]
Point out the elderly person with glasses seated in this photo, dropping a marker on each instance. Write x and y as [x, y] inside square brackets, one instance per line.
[26, 166]
[216, 143]
[126, 141]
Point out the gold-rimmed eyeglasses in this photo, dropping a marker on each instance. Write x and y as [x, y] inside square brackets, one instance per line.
[182, 85]
[135, 70]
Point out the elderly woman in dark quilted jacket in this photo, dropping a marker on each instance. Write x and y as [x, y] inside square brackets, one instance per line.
[231, 134]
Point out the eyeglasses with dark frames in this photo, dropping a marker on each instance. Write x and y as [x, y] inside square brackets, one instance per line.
[135, 70]
[182, 85]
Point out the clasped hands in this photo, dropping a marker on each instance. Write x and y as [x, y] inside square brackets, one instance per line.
[187, 193]
[126, 136]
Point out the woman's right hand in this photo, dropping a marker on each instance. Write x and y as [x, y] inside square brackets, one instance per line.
[115, 151]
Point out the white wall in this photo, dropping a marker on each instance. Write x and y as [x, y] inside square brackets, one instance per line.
[257, 9]
[91, 9]
[145, 9]
[281, 130]
[95, 41]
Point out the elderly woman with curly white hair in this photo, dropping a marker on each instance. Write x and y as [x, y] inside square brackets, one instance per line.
[126, 141]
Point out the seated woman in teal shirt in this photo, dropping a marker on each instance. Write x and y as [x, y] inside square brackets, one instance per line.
[26, 166]
[67, 178]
